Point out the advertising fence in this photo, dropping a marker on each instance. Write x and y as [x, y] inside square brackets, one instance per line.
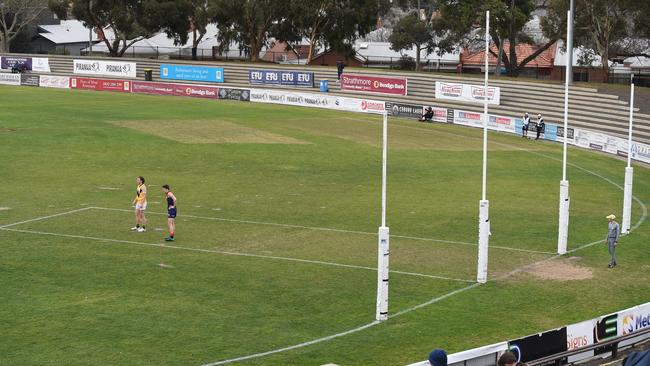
[101, 84]
[105, 68]
[197, 91]
[38, 64]
[467, 93]
[192, 73]
[59, 82]
[416, 111]
[569, 338]
[29, 80]
[374, 84]
[9, 79]
[317, 101]
[281, 78]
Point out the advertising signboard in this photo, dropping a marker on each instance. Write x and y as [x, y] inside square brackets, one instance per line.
[374, 84]
[192, 73]
[281, 78]
[467, 93]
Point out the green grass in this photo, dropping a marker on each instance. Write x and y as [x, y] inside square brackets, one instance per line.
[93, 293]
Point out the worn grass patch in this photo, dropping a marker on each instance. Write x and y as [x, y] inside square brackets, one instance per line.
[213, 131]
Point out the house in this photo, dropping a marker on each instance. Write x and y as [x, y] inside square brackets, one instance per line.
[283, 53]
[331, 57]
[586, 66]
[379, 54]
[68, 37]
[541, 67]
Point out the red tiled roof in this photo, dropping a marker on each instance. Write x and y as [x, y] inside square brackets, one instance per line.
[543, 60]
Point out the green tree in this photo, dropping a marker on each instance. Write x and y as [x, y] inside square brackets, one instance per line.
[600, 25]
[15, 15]
[247, 22]
[129, 20]
[411, 32]
[462, 19]
[199, 14]
[335, 24]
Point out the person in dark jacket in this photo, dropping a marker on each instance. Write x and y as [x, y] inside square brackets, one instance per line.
[540, 126]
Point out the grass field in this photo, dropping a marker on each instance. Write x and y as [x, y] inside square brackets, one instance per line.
[276, 234]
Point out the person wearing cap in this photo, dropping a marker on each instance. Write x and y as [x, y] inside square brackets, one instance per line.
[540, 126]
[524, 126]
[438, 357]
[613, 231]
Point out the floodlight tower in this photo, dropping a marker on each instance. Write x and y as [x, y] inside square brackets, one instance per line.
[484, 204]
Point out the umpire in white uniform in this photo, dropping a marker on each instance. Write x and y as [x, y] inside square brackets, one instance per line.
[613, 232]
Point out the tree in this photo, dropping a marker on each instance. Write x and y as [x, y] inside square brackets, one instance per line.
[129, 21]
[15, 15]
[601, 25]
[411, 32]
[199, 13]
[508, 18]
[331, 23]
[247, 22]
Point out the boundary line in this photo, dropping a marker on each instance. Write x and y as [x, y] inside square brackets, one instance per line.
[328, 229]
[239, 254]
[46, 217]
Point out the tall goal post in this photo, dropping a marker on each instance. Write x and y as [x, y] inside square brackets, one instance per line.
[563, 227]
[629, 171]
[484, 204]
[383, 251]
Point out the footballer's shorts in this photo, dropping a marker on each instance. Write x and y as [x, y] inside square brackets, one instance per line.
[171, 213]
[141, 206]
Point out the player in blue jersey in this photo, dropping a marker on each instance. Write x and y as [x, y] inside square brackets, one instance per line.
[171, 211]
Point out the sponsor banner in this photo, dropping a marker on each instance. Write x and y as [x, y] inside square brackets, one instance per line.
[29, 80]
[539, 345]
[374, 84]
[472, 119]
[578, 336]
[242, 95]
[634, 319]
[38, 64]
[560, 134]
[197, 91]
[606, 328]
[504, 124]
[467, 93]
[101, 84]
[317, 101]
[107, 68]
[640, 151]
[192, 73]
[283, 78]
[550, 132]
[9, 79]
[404, 110]
[450, 115]
[60, 82]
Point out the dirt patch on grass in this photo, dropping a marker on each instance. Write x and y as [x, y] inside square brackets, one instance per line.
[213, 131]
[565, 269]
[4, 129]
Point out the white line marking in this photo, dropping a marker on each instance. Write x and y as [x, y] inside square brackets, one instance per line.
[327, 229]
[45, 217]
[305, 344]
[337, 335]
[239, 254]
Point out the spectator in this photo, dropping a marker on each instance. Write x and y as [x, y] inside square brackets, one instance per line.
[428, 114]
[540, 125]
[507, 359]
[438, 357]
[524, 127]
[339, 68]
[613, 232]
